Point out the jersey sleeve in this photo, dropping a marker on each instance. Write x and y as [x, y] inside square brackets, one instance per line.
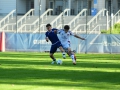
[54, 29]
[46, 34]
[59, 31]
[71, 33]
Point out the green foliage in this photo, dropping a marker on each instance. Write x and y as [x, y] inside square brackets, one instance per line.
[116, 30]
[104, 31]
[117, 26]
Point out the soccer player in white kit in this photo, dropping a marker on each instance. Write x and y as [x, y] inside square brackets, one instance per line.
[65, 41]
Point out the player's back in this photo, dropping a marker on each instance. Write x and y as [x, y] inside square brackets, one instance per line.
[52, 36]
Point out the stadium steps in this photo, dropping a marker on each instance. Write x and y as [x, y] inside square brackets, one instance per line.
[82, 21]
[12, 23]
[102, 23]
[45, 21]
[1, 17]
[13, 20]
[31, 19]
[67, 19]
[49, 19]
[28, 21]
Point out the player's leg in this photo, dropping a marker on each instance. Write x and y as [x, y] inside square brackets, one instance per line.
[53, 58]
[67, 49]
[74, 55]
[52, 51]
[71, 54]
[63, 52]
[59, 45]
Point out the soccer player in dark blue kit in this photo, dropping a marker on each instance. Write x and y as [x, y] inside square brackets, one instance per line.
[52, 36]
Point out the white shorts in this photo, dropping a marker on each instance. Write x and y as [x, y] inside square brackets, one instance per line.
[66, 46]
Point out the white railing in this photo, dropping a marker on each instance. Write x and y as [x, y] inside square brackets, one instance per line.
[42, 28]
[7, 18]
[91, 23]
[79, 28]
[113, 19]
[23, 19]
[35, 24]
[96, 30]
[55, 22]
[20, 21]
[9, 27]
[45, 15]
[116, 17]
[58, 20]
[96, 18]
[75, 20]
[32, 28]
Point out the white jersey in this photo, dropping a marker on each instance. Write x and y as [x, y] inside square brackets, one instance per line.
[65, 37]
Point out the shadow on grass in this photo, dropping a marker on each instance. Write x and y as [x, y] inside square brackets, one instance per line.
[98, 56]
[13, 75]
[80, 64]
[24, 76]
[25, 55]
[20, 75]
[58, 55]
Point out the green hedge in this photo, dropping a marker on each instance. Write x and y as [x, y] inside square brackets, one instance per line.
[116, 30]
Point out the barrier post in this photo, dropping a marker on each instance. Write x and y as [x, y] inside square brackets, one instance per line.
[2, 42]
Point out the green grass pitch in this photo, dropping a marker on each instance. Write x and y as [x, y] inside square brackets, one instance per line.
[33, 71]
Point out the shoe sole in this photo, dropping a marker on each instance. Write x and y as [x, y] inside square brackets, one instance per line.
[74, 63]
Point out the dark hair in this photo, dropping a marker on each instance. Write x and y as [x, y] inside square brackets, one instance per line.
[66, 27]
[48, 25]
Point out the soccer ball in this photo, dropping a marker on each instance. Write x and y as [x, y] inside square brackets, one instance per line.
[59, 62]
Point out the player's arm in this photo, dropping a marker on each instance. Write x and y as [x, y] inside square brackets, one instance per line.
[79, 37]
[47, 39]
[55, 30]
[76, 36]
[58, 31]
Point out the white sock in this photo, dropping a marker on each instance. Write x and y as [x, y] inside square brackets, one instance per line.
[73, 58]
[63, 53]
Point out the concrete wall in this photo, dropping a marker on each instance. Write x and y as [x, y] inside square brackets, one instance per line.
[100, 4]
[7, 6]
[21, 6]
[115, 6]
[36, 6]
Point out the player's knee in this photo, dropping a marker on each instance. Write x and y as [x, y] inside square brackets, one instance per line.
[51, 55]
[69, 50]
[71, 53]
[60, 48]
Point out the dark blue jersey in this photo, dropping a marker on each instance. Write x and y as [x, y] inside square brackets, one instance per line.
[52, 36]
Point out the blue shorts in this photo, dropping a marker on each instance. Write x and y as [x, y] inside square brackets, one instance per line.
[55, 46]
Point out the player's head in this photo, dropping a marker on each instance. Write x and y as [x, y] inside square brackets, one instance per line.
[66, 28]
[48, 26]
